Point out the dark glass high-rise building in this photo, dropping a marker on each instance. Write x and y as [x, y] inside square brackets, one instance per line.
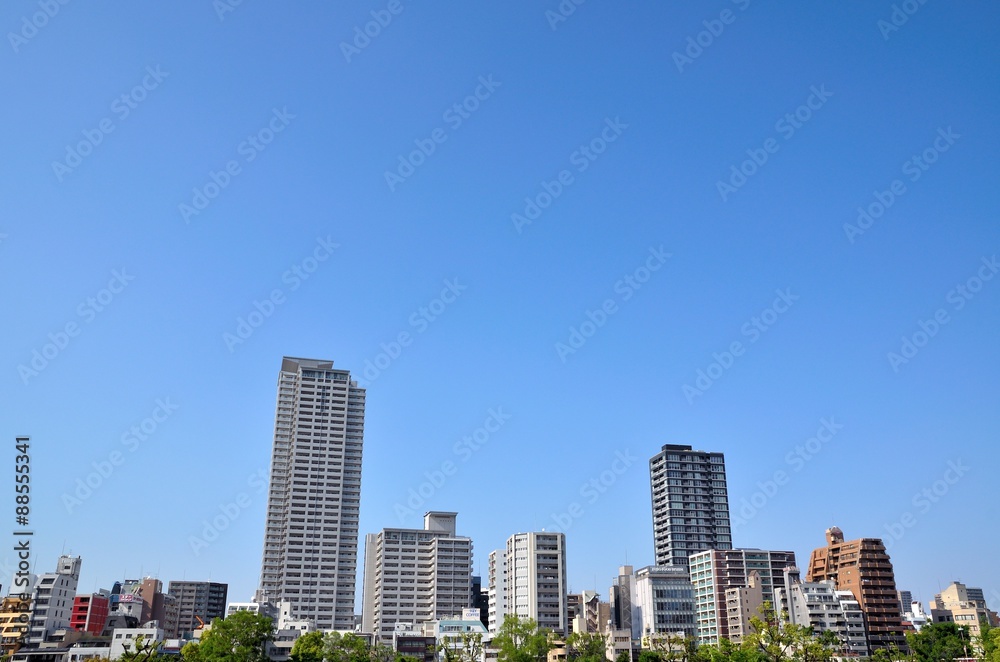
[198, 603]
[690, 503]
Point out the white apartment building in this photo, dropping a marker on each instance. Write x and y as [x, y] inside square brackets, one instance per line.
[496, 588]
[415, 575]
[535, 581]
[311, 534]
[52, 599]
[824, 608]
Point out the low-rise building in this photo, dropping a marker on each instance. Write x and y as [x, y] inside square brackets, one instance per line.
[955, 605]
[123, 639]
[90, 612]
[15, 612]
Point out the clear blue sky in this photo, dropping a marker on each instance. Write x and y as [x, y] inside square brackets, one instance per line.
[198, 87]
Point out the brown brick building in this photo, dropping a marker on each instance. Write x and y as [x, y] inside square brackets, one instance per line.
[863, 567]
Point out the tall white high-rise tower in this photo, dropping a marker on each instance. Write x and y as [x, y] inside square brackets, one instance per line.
[311, 536]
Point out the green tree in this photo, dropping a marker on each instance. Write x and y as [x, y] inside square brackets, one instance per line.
[348, 647]
[521, 640]
[890, 654]
[463, 647]
[624, 656]
[587, 647]
[191, 652]
[988, 643]
[808, 647]
[239, 637]
[140, 650]
[939, 641]
[308, 648]
[726, 651]
[672, 647]
[771, 640]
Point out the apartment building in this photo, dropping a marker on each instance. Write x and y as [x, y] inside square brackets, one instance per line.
[416, 575]
[863, 567]
[713, 572]
[311, 532]
[690, 503]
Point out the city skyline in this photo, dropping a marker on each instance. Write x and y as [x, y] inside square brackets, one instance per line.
[775, 235]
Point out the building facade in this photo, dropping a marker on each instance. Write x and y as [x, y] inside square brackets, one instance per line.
[496, 589]
[587, 613]
[905, 600]
[416, 575]
[52, 599]
[90, 613]
[15, 612]
[821, 606]
[198, 603]
[535, 581]
[713, 572]
[624, 599]
[961, 605]
[664, 601]
[863, 567]
[742, 604]
[311, 533]
[690, 503]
